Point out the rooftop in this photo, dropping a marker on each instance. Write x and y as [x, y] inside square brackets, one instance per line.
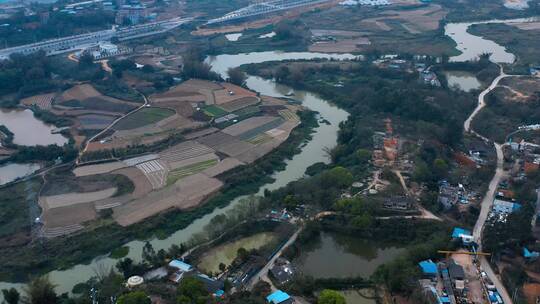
[278, 297]
[180, 265]
[428, 267]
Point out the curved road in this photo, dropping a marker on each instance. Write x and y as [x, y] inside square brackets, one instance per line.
[487, 201]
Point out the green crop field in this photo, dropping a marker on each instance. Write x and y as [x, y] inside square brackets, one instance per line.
[143, 117]
[215, 111]
[189, 170]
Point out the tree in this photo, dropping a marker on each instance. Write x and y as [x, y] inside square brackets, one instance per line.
[337, 177]
[11, 296]
[192, 290]
[222, 267]
[135, 297]
[149, 254]
[242, 254]
[86, 60]
[125, 266]
[363, 155]
[328, 296]
[236, 76]
[40, 290]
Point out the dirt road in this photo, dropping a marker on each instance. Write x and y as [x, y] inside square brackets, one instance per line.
[488, 197]
[146, 102]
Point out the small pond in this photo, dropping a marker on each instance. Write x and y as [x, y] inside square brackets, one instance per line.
[362, 296]
[11, 172]
[338, 256]
[226, 253]
[465, 81]
[28, 130]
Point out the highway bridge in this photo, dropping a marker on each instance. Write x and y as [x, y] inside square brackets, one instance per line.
[79, 42]
[266, 7]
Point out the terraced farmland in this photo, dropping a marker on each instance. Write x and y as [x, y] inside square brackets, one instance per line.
[183, 151]
[189, 170]
[143, 117]
[240, 103]
[215, 111]
[155, 171]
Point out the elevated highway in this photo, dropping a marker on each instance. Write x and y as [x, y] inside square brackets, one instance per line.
[82, 41]
[264, 8]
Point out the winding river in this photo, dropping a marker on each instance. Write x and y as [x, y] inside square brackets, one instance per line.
[324, 136]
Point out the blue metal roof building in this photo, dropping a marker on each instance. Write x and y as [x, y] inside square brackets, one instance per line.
[530, 254]
[185, 267]
[428, 267]
[279, 297]
[459, 232]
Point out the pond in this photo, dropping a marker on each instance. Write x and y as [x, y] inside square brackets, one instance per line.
[11, 172]
[361, 296]
[464, 81]
[339, 256]
[226, 253]
[28, 130]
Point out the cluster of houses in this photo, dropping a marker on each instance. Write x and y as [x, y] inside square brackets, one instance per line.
[386, 146]
[451, 195]
[180, 270]
[444, 282]
[504, 203]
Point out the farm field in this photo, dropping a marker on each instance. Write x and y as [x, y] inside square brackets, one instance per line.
[143, 117]
[95, 121]
[401, 27]
[179, 176]
[214, 111]
[189, 170]
[43, 101]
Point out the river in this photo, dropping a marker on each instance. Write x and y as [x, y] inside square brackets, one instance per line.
[472, 46]
[324, 136]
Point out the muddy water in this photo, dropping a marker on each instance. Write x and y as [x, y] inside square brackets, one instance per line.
[28, 130]
[226, 253]
[472, 46]
[462, 80]
[324, 136]
[351, 257]
[11, 172]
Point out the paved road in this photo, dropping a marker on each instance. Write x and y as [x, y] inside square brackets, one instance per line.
[488, 197]
[262, 274]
